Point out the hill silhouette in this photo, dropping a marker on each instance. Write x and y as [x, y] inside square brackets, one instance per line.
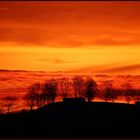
[74, 119]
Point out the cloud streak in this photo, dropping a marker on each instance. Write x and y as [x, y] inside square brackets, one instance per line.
[55, 61]
[39, 36]
[70, 24]
[124, 69]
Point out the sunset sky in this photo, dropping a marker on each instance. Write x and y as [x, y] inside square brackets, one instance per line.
[100, 37]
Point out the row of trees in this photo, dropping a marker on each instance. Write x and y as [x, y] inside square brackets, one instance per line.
[40, 94]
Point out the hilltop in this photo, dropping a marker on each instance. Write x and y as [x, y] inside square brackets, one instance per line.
[74, 120]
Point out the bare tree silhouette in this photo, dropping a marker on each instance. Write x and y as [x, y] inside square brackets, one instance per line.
[39, 99]
[106, 90]
[50, 90]
[31, 97]
[90, 89]
[78, 84]
[30, 100]
[128, 91]
[9, 102]
[113, 94]
[63, 87]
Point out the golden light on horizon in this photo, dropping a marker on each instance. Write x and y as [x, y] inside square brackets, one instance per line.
[67, 59]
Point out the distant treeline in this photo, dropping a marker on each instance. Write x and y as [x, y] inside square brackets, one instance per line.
[39, 94]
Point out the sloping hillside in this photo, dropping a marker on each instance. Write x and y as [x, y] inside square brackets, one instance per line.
[74, 120]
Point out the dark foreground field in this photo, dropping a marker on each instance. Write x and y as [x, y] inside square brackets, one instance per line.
[74, 120]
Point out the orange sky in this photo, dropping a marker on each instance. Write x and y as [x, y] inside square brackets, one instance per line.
[100, 37]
